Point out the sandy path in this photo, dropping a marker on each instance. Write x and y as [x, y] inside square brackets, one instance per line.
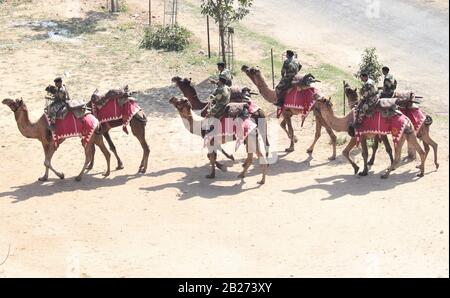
[312, 218]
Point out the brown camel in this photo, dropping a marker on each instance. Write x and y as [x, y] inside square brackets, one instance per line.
[269, 94]
[137, 124]
[188, 90]
[423, 134]
[39, 130]
[192, 120]
[325, 108]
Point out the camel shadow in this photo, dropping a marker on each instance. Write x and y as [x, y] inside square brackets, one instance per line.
[39, 189]
[195, 184]
[340, 186]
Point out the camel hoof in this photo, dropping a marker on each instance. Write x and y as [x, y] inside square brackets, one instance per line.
[437, 166]
[295, 140]
[78, 179]
[363, 174]
[61, 176]
[120, 167]
[310, 151]
[106, 174]
[333, 158]
[420, 175]
[262, 182]
[356, 168]
[210, 176]
[43, 179]
[289, 150]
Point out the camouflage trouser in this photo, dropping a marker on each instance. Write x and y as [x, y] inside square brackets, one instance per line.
[54, 108]
[387, 94]
[283, 86]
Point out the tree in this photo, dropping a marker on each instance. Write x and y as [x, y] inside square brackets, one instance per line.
[114, 5]
[370, 65]
[225, 12]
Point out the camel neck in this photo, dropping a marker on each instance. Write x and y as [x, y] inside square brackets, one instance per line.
[26, 128]
[192, 125]
[266, 92]
[191, 95]
[337, 123]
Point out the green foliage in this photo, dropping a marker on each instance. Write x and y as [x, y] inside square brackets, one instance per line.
[370, 64]
[174, 38]
[123, 6]
[226, 12]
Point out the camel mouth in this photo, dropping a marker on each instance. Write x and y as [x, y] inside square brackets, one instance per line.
[245, 68]
[176, 79]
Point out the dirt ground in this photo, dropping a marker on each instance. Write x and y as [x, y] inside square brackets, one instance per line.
[313, 218]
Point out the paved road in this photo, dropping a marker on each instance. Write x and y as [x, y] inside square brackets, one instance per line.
[412, 39]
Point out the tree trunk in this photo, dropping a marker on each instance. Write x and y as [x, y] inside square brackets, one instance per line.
[222, 42]
[114, 5]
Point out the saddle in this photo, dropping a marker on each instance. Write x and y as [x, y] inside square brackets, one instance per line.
[407, 100]
[100, 100]
[77, 107]
[235, 110]
[239, 94]
[304, 82]
[388, 107]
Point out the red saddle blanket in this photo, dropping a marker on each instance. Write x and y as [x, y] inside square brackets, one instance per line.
[238, 129]
[299, 99]
[377, 124]
[416, 116]
[70, 127]
[113, 111]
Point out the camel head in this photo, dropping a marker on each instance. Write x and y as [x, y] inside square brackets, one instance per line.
[15, 105]
[182, 82]
[323, 103]
[352, 95]
[182, 104]
[254, 74]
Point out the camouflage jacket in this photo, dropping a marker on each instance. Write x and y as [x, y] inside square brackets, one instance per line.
[389, 85]
[221, 98]
[61, 94]
[290, 68]
[227, 74]
[369, 97]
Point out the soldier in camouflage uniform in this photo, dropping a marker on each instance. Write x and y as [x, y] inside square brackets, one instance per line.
[225, 72]
[369, 99]
[389, 85]
[60, 97]
[290, 69]
[220, 99]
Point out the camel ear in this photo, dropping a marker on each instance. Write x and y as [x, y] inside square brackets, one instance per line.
[356, 90]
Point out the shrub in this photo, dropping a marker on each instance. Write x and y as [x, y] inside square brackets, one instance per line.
[370, 64]
[174, 38]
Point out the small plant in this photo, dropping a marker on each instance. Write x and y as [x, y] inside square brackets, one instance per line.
[370, 64]
[341, 141]
[174, 38]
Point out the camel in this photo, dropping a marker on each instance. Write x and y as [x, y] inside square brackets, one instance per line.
[423, 133]
[188, 90]
[137, 124]
[269, 95]
[325, 108]
[39, 130]
[191, 120]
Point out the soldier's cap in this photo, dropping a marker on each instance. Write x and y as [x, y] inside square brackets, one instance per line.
[290, 53]
[385, 68]
[222, 64]
[58, 80]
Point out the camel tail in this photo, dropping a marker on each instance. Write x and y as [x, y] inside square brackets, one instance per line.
[429, 121]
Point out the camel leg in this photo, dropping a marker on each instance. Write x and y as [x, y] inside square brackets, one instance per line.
[88, 153]
[430, 142]
[99, 142]
[229, 156]
[412, 139]
[263, 165]
[212, 160]
[138, 129]
[283, 125]
[398, 156]
[291, 132]
[113, 149]
[91, 164]
[388, 148]
[376, 143]
[411, 152]
[49, 150]
[316, 136]
[247, 164]
[333, 140]
[347, 151]
[365, 155]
